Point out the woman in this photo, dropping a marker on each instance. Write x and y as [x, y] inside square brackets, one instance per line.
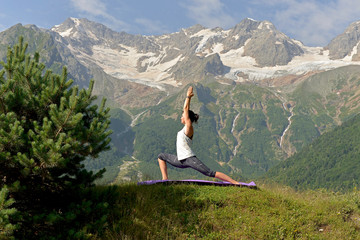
[185, 156]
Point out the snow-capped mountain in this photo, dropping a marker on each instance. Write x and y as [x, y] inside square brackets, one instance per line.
[252, 50]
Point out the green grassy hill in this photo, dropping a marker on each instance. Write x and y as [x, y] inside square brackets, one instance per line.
[209, 212]
[332, 161]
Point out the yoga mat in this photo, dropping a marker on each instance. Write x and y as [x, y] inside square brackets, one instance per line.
[197, 182]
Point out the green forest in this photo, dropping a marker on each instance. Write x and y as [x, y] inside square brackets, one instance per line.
[332, 161]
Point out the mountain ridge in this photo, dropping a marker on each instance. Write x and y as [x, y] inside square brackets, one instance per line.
[250, 51]
[252, 48]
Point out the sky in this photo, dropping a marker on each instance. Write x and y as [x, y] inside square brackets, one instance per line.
[313, 22]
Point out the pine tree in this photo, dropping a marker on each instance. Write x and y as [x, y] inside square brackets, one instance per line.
[47, 128]
[6, 228]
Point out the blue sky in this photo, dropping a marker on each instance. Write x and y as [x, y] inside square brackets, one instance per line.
[314, 22]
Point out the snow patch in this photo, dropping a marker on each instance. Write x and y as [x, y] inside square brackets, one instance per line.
[66, 33]
[116, 63]
[265, 24]
[235, 59]
[261, 25]
[76, 21]
[206, 34]
[251, 19]
[314, 59]
[217, 48]
[353, 52]
[164, 37]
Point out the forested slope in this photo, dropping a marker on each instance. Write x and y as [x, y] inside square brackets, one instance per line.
[332, 161]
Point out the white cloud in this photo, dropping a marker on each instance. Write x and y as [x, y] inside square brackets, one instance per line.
[209, 13]
[312, 21]
[94, 7]
[151, 26]
[97, 8]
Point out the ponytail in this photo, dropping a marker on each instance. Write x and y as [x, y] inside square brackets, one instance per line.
[193, 116]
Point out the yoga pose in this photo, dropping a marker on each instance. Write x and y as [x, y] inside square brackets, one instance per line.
[185, 156]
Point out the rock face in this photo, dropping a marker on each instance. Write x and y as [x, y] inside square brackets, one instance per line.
[263, 42]
[270, 47]
[213, 65]
[346, 44]
[84, 33]
[53, 50]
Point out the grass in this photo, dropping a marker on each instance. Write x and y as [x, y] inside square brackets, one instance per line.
[209, 212]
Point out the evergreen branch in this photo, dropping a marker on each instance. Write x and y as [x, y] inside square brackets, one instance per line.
[62, 125]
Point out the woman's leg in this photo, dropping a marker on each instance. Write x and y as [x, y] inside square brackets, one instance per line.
[196, 164]
[165, 158]
[163, 169]
[224, 177]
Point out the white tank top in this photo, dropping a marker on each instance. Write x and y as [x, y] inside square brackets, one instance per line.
[183, 145]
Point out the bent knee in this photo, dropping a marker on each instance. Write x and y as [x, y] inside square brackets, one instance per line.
[161, 157]
[210, 174]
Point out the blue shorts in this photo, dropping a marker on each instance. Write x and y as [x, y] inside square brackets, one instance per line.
[191, 162]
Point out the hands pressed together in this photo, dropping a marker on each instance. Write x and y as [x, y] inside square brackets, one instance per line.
[190, 92]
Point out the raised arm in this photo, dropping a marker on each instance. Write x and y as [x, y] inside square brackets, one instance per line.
[188, 124]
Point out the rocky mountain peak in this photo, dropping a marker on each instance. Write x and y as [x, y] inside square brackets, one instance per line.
[263, 42]
[67, 28]
[346, 45]
[83, 29]
[193, 29]
[247, 25]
